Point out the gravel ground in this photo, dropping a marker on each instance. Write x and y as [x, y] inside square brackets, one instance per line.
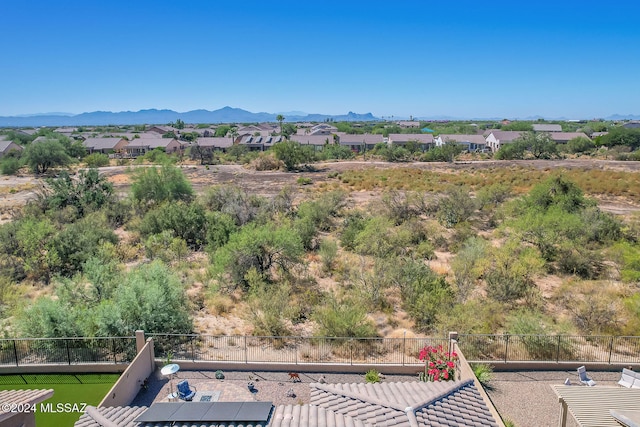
[525, 398]
[271, 386]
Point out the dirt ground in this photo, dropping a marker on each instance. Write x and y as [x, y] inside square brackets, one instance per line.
[16, 191]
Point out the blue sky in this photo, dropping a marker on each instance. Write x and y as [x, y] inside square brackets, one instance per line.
[422, 58]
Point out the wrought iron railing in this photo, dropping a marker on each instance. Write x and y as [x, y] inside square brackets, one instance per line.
[318, 350]
[66, 351]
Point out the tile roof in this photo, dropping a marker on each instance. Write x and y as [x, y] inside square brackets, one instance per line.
[312, 139]
[506, 135]
[101, 143]
[311, 415]
[216, 141]
[477, 139]
[406, 404]
[122, 416]
[4, 145]
[547, 128]
[425, 138]
[21, 397]
[566, 136]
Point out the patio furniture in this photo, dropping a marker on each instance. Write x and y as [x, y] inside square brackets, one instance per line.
[584, 379]
[184, 391]
[629, 379]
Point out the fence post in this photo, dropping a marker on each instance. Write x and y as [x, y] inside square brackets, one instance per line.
[193, 350]
[558, 350]
[295, 348]
[506, 348]
[115, 355]
[351, 352]
[15, 351]
[68, 351]
[611, 348]
[246, 356]
[404, 345]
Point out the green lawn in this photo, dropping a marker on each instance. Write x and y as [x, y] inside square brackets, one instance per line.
[69, 389]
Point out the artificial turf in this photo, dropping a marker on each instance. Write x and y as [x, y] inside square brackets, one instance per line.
[69, 389]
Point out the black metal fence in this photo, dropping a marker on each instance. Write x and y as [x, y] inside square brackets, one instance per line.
[66, 351]
[551, 348]
[300, 350]
[398, 351]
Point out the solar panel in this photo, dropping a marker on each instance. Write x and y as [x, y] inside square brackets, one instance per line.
[204, 412]
[224, 411]
[159, 412]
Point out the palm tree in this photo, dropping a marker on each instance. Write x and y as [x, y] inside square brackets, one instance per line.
[280, 119]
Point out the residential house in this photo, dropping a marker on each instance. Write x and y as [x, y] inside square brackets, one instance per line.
[7, 146]
[162, 129]
[105, 145]
[425, 140]
[140, 146]
[409, 124]
[564, 137]
[317, 141]
[470, 143]
[19, 407]
[214, 143]
[66, 131]
[544, 127]
[633, 124]
[497, 138]
[260, 143]
[360, 142]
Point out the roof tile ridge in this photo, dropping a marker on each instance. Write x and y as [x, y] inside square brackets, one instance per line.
[455, 387]
[357, 396]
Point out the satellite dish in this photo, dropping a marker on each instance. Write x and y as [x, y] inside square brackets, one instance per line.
[170, 369]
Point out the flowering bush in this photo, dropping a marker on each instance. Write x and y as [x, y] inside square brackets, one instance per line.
[438, 364]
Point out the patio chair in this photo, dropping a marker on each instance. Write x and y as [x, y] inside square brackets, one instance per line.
[584, 379]
[185, 392]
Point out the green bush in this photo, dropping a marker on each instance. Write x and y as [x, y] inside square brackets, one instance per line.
[347, 318]
[484, 373]
[328, 253]
[96, 160]
[372, 376]
[10, 165]
[152, 186]
[184, 220]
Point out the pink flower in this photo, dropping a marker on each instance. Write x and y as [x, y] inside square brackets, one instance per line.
[423, 353]
[445, 374]
[432, 365]
[450, 364]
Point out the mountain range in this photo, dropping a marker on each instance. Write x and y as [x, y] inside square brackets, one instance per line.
[154, 116]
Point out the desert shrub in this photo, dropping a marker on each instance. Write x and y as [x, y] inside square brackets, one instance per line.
[372, 376]
[96, 160]
[292, 153]
[152, 186]
[10, 165]
[346, 318]
[398, 206]
[156, 156]
[536, 338]
[336, 152]
[49, 318]
[165, 246]
[260, 248]
[219, 227]
[511, 271]
[425, 249]
[235, 202]
[328, 253]
[265, 162]
[423, 292]
[456, 206]
[268, 305]
[474, 316]
[377, 238]
[580, 145]
[186, 221]
[627, 255]
[79, 241]
[353, 224]
[493, 195]
[445, 153]
[468, 266]
[484, 373]
[89, 192]
[595, 307]
[322, 210]
[557, 191]
[118, 212]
